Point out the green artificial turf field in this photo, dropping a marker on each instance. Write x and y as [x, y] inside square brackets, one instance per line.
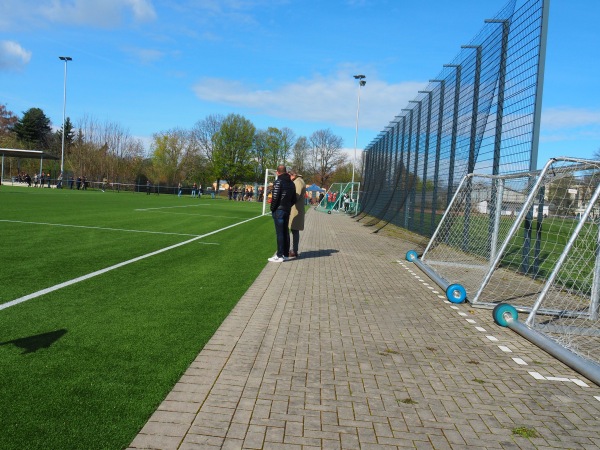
[85, 365]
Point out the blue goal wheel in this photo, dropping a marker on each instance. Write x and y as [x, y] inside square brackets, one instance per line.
[456, 293]
[412, 255]
[503, 312]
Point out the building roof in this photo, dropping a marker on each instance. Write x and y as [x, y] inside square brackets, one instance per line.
[15, 153]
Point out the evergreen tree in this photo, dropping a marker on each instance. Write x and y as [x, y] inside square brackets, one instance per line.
[33, 129]
[69, 135]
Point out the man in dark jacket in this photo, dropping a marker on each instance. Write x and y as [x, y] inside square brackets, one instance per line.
[283, 197]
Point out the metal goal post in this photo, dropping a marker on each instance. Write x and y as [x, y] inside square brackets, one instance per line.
[270, 177]
[531, 240]
[333, 200]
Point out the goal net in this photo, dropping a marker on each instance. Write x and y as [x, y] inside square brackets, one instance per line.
[340, 197]
[531, 240]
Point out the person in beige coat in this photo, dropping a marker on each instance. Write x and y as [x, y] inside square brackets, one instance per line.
[297, 214]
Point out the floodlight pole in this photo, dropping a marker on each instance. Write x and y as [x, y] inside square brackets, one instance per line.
[62, 155]
[361, 82]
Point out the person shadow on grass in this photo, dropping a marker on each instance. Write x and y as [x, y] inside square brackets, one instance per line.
[32, 344]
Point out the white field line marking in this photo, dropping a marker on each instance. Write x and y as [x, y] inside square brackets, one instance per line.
[195, 215]
[116, 266]
[159, 210]
[171, 207]
[96, 228]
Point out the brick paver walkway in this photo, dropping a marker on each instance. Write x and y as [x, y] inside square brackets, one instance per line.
[348, 348]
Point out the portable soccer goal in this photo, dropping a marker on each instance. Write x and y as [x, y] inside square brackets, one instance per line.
[334, 198]
[529, 240]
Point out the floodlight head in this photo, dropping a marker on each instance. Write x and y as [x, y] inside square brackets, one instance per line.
[65, 58]
[359, 77]
[363, 82]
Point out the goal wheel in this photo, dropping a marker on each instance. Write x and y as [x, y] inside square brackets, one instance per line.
[456, 293]
[411, 255]
[503, 312]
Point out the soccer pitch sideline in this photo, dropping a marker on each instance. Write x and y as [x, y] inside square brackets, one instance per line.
[105, 300]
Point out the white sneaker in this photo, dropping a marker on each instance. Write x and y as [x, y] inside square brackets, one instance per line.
[276, 258]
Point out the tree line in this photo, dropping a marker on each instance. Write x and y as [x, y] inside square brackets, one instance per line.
[217, 148]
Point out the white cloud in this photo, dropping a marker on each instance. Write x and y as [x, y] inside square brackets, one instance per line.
[145, 55]
[13, 56]
[143, 11]
[321, 99]
[220, 6]
[106, 13]
[566, 124]
[566, 117]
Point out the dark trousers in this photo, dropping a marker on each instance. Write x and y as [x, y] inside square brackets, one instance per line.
[282, 219]
[295, 240]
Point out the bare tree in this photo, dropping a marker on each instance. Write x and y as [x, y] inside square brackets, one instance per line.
[104, 150]
[203, 133]
[288, 140]
[262, 155]
[325, 155]
[7, 120]
[7, 137]
[300, 153]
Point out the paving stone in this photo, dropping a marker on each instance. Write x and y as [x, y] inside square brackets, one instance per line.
[347, 348]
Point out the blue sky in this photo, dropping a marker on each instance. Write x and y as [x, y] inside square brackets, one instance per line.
[155, 65]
